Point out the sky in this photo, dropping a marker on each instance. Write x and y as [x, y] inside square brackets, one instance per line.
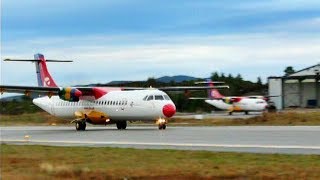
[137, 39]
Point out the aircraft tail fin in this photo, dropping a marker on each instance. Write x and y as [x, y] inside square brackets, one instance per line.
[43, 76]
[212, 93]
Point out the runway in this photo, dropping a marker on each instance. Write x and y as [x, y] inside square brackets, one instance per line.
[257, 139]
[217, 114]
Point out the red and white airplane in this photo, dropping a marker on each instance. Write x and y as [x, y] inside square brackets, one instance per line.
[234, 103]
[99, 105]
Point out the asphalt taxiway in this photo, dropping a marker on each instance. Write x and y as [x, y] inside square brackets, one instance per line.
[257, 139]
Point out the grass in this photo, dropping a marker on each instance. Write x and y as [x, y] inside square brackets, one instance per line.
[281, 118]
[44, 162]
[39, 118]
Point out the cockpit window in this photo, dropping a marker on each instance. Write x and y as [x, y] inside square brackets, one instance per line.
[166, 97]
[158, 97]
[150, 98]
[145, 98]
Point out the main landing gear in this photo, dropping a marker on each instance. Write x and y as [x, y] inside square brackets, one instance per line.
[81, 125]
[121, 124]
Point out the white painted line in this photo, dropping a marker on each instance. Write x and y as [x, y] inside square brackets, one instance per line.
[169, 144]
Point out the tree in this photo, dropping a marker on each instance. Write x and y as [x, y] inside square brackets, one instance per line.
[239, 77]
[151, 82]
[289, 70]
[215, 76]
[259, 81]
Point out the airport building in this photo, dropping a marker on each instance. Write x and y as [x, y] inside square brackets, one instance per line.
[300, 89]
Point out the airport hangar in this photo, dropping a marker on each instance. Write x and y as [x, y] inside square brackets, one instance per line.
[300, 89]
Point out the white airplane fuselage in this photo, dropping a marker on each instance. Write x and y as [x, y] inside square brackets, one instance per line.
[117, 105]
[245, 104]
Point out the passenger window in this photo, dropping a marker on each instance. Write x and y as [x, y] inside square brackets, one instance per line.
[158, 97]
[150, 98]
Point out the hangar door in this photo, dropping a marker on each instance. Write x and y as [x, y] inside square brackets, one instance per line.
[291, 95]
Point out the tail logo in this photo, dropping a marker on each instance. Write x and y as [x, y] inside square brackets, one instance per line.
[47, 81]
[213, 93]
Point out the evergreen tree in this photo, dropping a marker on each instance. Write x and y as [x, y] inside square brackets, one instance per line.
[259, 81]
[215, 76]
[239, 77]
[289, 70]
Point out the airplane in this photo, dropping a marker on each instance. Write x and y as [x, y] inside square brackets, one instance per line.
[232, 104]
[99, 105]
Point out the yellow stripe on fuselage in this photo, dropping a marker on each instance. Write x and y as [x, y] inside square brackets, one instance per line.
[68, 93]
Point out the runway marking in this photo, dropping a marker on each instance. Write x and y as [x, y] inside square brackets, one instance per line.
[169, 144]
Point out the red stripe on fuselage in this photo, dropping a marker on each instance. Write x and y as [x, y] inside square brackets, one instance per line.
[98, 92]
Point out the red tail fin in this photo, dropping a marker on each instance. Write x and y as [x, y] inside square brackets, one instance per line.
[213, 93]
[43, 75]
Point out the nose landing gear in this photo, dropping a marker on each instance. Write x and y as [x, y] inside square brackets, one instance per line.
[162, 124]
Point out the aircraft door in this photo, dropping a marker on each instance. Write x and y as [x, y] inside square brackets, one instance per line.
[123, 104]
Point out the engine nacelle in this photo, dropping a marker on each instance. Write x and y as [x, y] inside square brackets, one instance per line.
[93, 117]
[70, 94]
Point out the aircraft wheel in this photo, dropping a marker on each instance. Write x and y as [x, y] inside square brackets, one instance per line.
[83, 126]
[162, 126]
[246, 112]
[121, 124]
[124, 124]
[230, 113]
[118, 125]
[78, 126]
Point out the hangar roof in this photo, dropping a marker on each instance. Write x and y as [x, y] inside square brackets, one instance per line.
[309, 72]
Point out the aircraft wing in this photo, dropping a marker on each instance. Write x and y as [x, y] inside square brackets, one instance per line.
[190, 88]
[74, 93]
[29, 89]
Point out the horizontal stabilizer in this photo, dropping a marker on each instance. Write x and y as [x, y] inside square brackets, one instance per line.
[36, 60]
[198, 98]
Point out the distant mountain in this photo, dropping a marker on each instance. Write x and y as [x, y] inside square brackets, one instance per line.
[177, 79]
[164, 79]
[118, 82]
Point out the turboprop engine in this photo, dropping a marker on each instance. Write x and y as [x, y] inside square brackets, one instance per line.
[70, 94]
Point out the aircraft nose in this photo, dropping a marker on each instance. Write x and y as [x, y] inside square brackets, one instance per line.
[169, 110]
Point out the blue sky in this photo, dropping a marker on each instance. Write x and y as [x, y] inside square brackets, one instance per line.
[137, 39]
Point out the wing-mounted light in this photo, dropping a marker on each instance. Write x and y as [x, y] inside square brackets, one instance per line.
[27, 93]
[70, 94]
[50, 94]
